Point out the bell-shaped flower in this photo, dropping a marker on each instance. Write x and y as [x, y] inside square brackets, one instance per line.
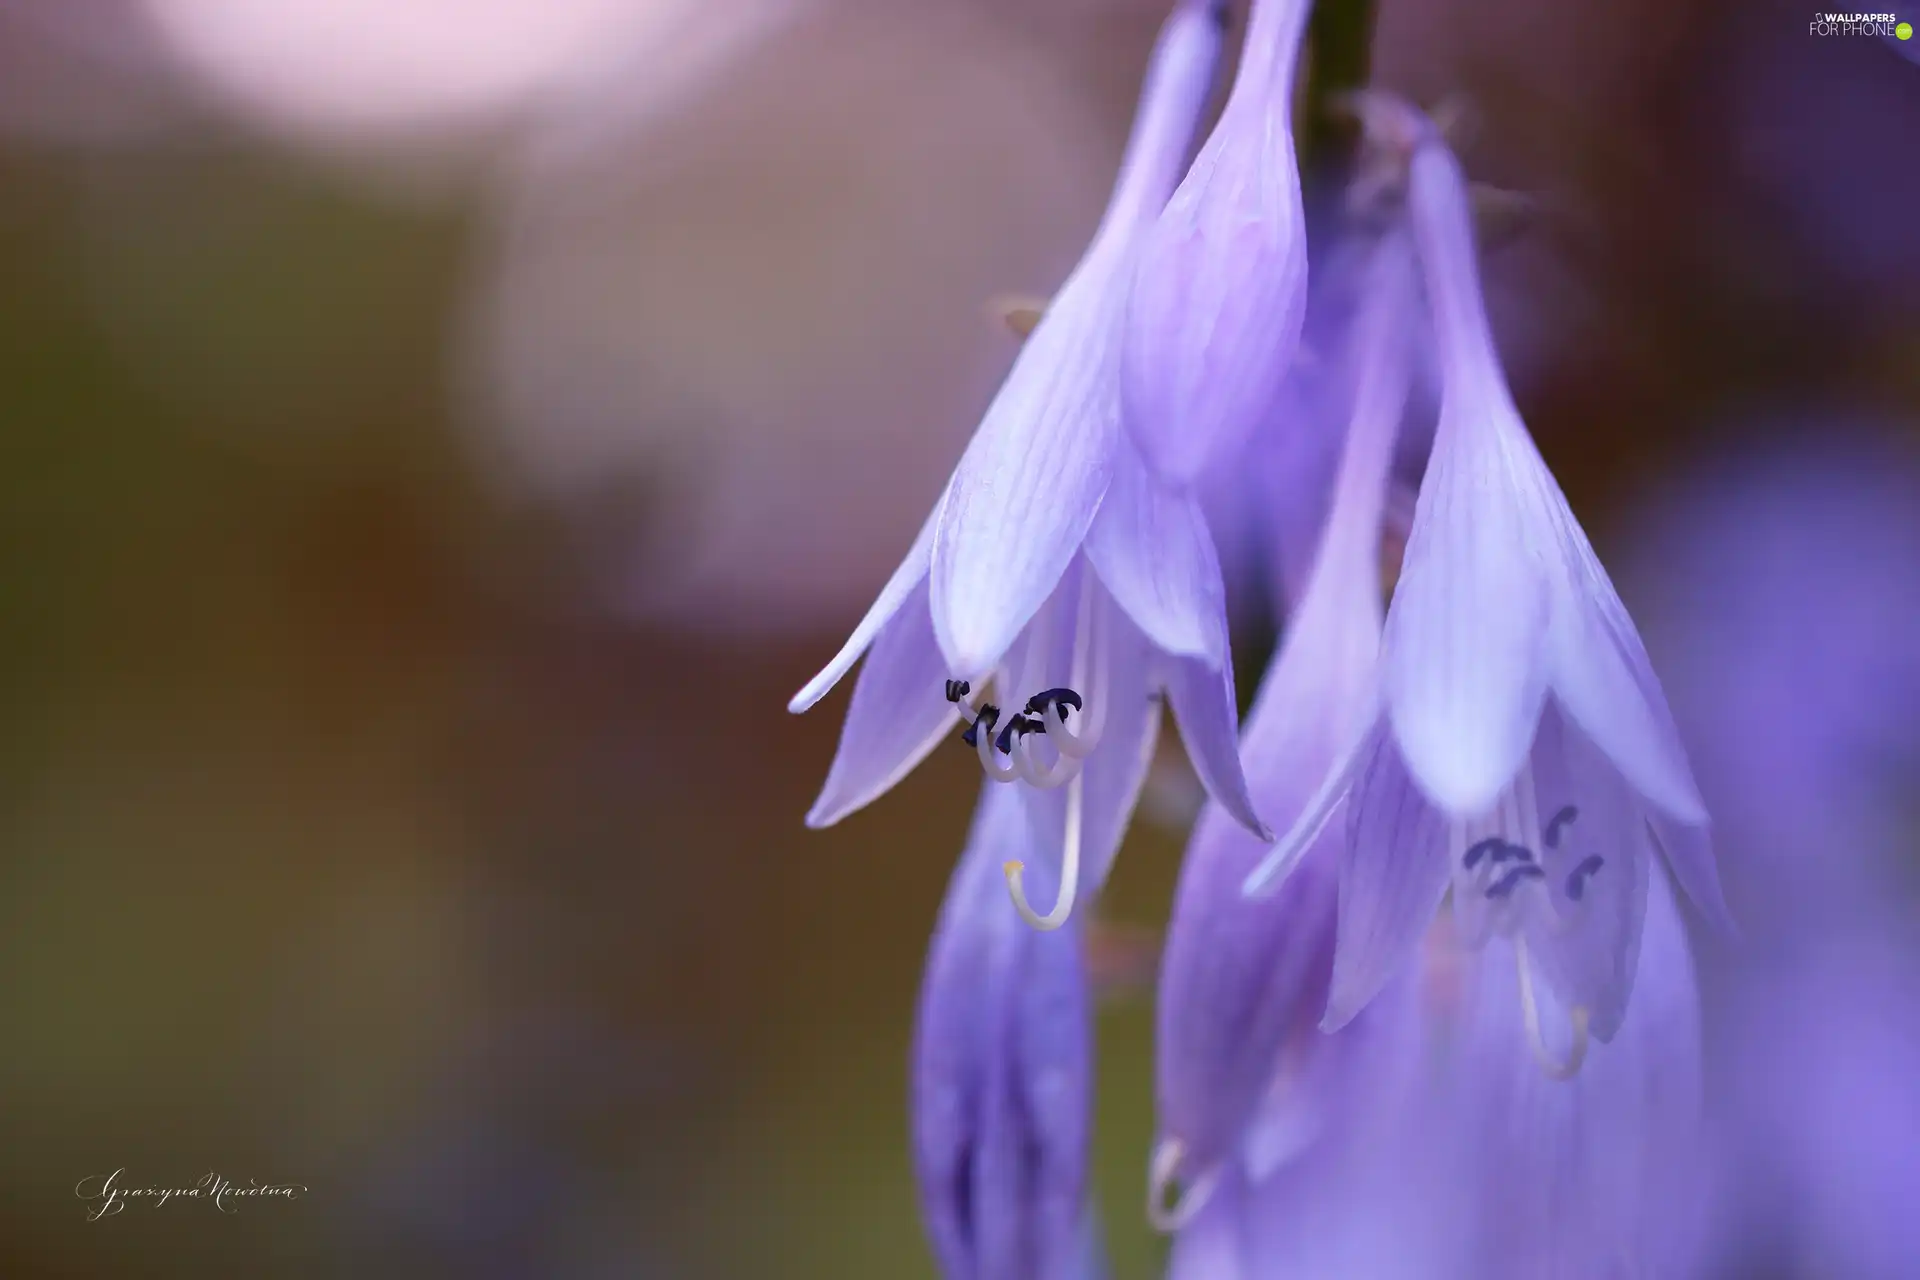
[1519, 750]
[1240, 978]
[1003, 1075]
[1076, 620]
[1591, 1179]
[1214, 316]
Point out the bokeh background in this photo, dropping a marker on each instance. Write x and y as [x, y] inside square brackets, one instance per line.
[439, 436]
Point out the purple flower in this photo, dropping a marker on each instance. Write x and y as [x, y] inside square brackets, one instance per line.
[1597, 1177]
[1003, 1075]
[1519, 748]
[1242, 979]
[1077, 619]
[1215, 312]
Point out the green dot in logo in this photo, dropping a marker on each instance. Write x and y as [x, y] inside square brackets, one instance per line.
[1904, 31]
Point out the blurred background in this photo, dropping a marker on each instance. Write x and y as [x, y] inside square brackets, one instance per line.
[439, 435]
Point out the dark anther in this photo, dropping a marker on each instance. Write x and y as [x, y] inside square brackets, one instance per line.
[1021, 725]
[1551, 834]
[958, 689]
[1578, 877]
[1496, 851]
[1505, 884]
[1038, 703]
[989, 716]
[1222, 14]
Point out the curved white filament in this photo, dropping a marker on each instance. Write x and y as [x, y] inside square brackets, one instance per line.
[1554, 1068]
[1069, 867]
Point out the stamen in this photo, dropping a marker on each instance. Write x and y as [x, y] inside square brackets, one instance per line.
[1069, 866]
[1490, 845]
[983, 744]
[1069, 743]
[1020, 725]
[1161, 1173]
[1550, 834]
[958, 689]
[1554, 1068]
[989, 716]
[1039, 702]
[1578, 877]
[1046, 777]
[1505, 884]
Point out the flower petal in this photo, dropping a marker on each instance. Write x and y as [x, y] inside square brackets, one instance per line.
[911, 573]
[897, 715]
[1212, 1246]
[1462, 653]
[1600, 671]
[1002, 1072]
[1391, 882]
[1152, 550]
[1586, 936]
[1204, 708]
[1689, 853]
[1025, 492]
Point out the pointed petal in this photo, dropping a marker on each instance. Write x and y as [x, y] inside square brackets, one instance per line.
[1025, 492]
[1152, 550]
[905, 580]
[1462, 660]
[897, 715]
[1689, 853]
[1600, 671]
[1588, 946]
[1204, 708]
[1321, 810]
[1391, 882]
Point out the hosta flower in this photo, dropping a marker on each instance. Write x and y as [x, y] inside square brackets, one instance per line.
[1520, 750]
[1216, 308]
[1055, 569]
[1241, 979]
[1592, 1179]
[1003, 1075]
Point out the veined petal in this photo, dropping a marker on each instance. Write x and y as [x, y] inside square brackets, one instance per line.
[1464, 661]
[1204, 708]
[1152, 550]
[1462, 655]
[1597, 1175]
[1391, 882]
[897, 715]
[1026, 490]
[1600, 671]
[905, 580]
[1002, 1073]
[1586, 930]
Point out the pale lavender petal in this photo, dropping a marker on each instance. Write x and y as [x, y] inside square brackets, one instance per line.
[1026, 490]
[1597, 1175]
[1152, 550]
[1322, 809]
[897, 715]
[1204, 709]
[1599, 669]
[1391, 882]
[1586, 931]
[1689, 853]
[1216, 308]
[905, 580]
[1464, 654]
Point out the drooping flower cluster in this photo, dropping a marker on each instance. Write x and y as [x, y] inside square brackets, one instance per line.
[1369, 1030]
